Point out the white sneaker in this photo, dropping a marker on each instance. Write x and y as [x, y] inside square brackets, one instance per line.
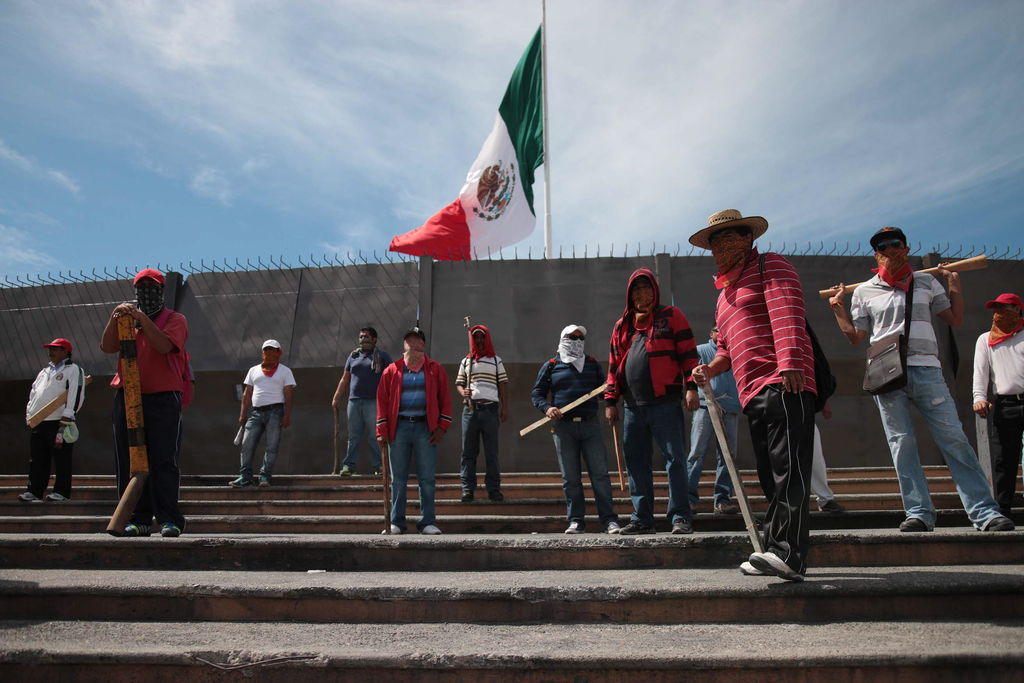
[395, 530]
[29, 497]
[430, 530]
[750, 570]
[574, 528]
[612, 528]
[770, 563]
[56, 497]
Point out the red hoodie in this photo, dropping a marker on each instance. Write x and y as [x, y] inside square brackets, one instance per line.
[671, 347]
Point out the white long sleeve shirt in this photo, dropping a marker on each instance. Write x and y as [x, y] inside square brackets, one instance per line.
[1002, 363]
[51, 382]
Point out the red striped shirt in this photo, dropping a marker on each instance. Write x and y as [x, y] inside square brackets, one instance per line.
[762, 328]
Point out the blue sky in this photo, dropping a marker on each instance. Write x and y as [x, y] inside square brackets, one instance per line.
[136, 132]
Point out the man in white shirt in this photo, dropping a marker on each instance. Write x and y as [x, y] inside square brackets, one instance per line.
[47, 442]
[999, 357]
[481, 383]
[266, 406]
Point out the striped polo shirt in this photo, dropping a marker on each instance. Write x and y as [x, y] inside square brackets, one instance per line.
[761, 326]
[413, 402]
[482, 376]
[880, 309]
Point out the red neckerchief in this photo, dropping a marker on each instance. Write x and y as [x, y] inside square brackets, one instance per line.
[271, 360]
[895, 272]
[998, 333]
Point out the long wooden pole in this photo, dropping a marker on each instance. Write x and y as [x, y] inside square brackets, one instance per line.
[544, 420]
[618, 456]
[967, 264]
[385, 468]
[44, 412]
[334, 442]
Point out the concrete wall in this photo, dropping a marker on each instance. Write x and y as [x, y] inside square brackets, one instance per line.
[316, 314]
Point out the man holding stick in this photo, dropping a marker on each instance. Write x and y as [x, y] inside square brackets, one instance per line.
[160, 337]
[577, 434]
[878, 309]
[358, 384]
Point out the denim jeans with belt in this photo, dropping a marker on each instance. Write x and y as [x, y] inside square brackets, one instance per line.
[576, 441]
[412, 440]
[362, 421]
[926, 389]
[265, 419]
[702, 434]
[663, 424]
[483, 421]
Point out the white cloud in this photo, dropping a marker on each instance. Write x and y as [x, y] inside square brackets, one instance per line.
[19, 255]
[211, 183]
[34, 168]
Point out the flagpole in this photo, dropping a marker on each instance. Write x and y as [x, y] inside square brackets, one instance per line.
[544, 109]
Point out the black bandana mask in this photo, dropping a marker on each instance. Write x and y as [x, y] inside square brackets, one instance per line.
[150, 299]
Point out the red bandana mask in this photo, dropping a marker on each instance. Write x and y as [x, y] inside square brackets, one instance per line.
[894, 268]
[271, 359]
[730, 251]
[1006, 322]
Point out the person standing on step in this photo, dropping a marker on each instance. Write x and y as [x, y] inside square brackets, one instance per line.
[266, 407]
[413, 414]
[702, 433]
[162, 359]
[481, 382]
[878, 309]
[999, 357]
[49, 440]
[652, 352]
[577, 435]
[763, 339]
[359, 382]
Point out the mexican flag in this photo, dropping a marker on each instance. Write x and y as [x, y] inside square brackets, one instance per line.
[495, 207]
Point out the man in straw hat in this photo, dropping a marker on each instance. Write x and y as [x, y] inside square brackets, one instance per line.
[878, 309]
[762, 337]
[999, 356]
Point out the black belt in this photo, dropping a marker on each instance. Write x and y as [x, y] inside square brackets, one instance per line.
[484, 404]
[578, 418]
[1010, 397]
[268, 407]
[412, 418]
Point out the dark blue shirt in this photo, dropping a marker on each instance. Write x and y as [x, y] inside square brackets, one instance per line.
[413, 402]
[364, 380]
[566, 385]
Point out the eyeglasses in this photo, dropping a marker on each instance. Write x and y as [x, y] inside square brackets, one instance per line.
[576, 337]
[882, 246]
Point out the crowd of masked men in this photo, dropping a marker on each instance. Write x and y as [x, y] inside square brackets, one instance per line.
[759, 361]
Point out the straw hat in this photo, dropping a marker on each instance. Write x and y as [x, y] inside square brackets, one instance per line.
[727, 218]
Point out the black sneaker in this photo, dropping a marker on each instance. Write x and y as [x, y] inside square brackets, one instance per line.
[831, 506]
[1000, 524]
[467, 497]
[913, 524]
[682, 526]
[495, 496]
[637, 528]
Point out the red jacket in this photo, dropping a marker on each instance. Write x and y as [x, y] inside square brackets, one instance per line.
[389, 396]
[671, 347]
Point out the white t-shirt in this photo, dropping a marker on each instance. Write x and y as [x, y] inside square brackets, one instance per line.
[1003, 363]
[268, 390]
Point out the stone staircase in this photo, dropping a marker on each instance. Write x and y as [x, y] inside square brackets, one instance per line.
[294, 582]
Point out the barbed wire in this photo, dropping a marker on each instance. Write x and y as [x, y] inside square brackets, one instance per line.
[947, 250]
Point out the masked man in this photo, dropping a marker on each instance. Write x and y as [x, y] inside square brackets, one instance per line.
[481, 382]
[359, 384]
[266, 407]
[160, 337]
[879, 309]
[999, 357]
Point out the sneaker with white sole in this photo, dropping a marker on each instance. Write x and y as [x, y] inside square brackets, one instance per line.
[770, 563]
[612, 528]
[748, 569]
[395, 530]
[574, 528]
[29, 497]
[56, 497]
[430, 530]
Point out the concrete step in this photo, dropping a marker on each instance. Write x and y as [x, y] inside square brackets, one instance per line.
[840, 651]
[455, 552]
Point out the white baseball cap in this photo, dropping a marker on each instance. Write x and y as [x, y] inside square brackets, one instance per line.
[272, 343]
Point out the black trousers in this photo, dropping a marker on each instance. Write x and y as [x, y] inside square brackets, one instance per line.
[161, 413]
[782, 432]
[41, 451]
[1008, 418]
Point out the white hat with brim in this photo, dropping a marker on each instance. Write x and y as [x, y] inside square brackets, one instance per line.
[728, 218]
[569, 329]
[271, 344]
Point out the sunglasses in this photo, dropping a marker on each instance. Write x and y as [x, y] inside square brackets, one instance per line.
[882, 246]
[576, 336]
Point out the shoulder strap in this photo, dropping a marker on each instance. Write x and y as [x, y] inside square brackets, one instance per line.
[909, 313]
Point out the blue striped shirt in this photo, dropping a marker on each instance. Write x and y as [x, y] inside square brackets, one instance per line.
[414, 393]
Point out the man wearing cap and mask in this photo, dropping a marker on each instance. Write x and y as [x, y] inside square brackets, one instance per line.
[53, 438]
[577, 435]
[652, 352]
[762, 337]
[878, 309]
[358, 383]
[482, 382]
[160, 338]
[266, 407]
[999, 357]
[413, 414]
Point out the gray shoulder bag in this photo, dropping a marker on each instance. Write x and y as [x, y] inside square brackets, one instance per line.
[887, 358]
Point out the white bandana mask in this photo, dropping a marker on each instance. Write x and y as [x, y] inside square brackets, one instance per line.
[570, 352]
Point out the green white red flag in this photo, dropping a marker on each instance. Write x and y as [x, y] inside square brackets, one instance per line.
[495, 207]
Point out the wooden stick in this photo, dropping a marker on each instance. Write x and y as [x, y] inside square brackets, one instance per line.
[385, 468]
[618, 456]
[715, 411]
[973, 263]
[335, 441]
[581, 400]
[131, 387]
[45, 411]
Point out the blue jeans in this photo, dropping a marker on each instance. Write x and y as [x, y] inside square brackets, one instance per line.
[362, 422]
[662, 423]
[927, 390]
[573, 441]
[262, 420]
[702, 433]
[412, 440]
[481, 422]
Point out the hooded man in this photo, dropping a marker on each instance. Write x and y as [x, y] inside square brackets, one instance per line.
[266, 407]
[999, 357]
[577, 435]
[358, 383]
[481, 382]
[53, 438]
[879, 309]
[652, 353]
[160, 338]
[762, 337]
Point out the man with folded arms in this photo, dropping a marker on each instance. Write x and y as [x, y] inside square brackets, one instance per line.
[878, 309]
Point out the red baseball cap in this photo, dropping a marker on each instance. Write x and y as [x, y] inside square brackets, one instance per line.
[151, 273]
[59, 342]
[1006, 298]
